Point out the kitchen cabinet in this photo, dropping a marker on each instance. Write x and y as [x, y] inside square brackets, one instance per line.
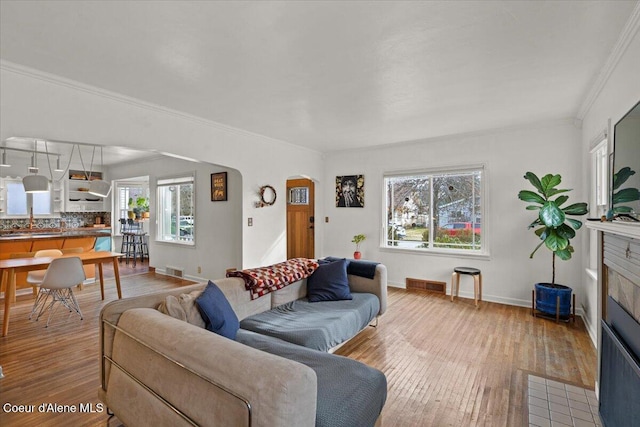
[78, 198]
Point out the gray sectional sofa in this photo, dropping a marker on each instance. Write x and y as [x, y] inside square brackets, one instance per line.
[160, 370]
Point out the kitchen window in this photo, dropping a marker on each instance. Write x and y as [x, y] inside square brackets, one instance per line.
[435, 211]
[20, 203]
[176, 210]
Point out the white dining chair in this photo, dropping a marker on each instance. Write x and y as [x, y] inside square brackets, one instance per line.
[34, 278]
[62, 275]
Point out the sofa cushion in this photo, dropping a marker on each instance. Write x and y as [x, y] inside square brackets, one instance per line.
[183, 307]
[329, 282]
[321, 325]
[350, 393]
[217, 313]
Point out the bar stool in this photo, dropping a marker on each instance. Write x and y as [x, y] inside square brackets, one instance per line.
[134, 246]
[477, 282]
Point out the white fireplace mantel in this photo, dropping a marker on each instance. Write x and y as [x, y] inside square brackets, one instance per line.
[628, 229]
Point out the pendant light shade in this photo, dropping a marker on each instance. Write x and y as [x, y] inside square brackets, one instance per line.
[99, 188]
[35, 184]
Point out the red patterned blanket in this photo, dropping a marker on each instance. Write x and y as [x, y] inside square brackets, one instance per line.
[262, 280]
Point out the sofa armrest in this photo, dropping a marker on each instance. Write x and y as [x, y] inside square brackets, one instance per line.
[210, 379]
[377, 285]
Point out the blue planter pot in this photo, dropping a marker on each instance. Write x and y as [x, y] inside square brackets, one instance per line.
[546, 298]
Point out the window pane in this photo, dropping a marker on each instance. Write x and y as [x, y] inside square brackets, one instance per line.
[16, 198]
[408, 198]
[176, 213]
[41, 203]
[434, 210]
[457, 214]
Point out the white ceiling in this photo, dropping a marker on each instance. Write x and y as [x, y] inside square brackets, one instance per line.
[328, 75]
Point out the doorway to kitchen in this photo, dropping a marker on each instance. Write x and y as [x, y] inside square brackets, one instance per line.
[131, 223]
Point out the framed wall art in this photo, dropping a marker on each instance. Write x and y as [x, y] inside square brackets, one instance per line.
[219, 187]
[350, 191]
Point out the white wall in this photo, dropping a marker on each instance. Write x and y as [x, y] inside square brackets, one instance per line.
[620, 93]
[508, 274]
[218, 224]
[40, 105]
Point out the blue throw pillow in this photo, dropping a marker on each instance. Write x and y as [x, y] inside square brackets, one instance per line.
[217, 313]
[329, 282]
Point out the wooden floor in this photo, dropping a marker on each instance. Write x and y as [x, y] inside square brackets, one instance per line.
[447, 364]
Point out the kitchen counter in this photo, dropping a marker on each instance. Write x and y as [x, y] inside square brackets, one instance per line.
[24, 243]
[53, 233]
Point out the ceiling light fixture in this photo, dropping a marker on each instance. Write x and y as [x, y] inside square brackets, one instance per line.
[35, 183]
[99, 187]
[4, 163]
[58, 168]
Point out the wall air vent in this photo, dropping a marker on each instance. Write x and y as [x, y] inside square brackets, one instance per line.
[174, 271]
[426, 285]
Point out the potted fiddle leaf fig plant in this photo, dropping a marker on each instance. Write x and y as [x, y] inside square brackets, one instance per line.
[555, 230]
[357, 239]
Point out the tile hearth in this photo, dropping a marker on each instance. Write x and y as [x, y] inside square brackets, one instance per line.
[555, 404]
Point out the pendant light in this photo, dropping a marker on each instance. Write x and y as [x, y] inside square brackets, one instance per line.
[4, 163]
[99, 187]
[35, 183]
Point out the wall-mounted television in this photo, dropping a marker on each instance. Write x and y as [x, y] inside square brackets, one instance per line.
[625, 182]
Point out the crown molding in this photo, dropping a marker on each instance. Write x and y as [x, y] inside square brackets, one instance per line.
[566, 121]
[114, 96]
[626, 36]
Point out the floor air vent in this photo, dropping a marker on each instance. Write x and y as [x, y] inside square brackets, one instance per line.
[174, 271]
[426, 285]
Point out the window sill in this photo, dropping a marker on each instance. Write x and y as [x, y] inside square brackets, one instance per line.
[438, 252]
[177, 242]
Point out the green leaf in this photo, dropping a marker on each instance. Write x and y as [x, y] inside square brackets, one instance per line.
[551, 215]
[555, 242]
[549, 182]
[622, 209]
[626, 195]
[533, 179]
[560, 200]
[534, 251]
[576, 209]
[533, 208]
[552, 192]
[566, 232]
[534, 223]
[530, 196]
[574, 223]
[540, 232]
[564, 254]
[622, 176]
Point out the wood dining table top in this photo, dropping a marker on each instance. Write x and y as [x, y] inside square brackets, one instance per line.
[9, 268]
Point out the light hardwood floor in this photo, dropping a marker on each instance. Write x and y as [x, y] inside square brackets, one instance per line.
[447, 364]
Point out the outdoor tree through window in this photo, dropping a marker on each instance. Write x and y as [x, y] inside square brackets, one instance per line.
[435, 210]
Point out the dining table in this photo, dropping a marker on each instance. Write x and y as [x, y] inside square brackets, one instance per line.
[9, 268]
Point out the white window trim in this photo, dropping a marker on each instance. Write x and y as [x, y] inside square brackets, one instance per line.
[182, 178]
[5, 203]
[484, 208]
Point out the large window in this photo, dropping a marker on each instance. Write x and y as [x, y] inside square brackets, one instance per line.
[20, 203]
[435, 211]
[176, 210]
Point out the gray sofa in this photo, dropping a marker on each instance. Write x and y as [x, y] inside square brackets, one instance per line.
[160, 371]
